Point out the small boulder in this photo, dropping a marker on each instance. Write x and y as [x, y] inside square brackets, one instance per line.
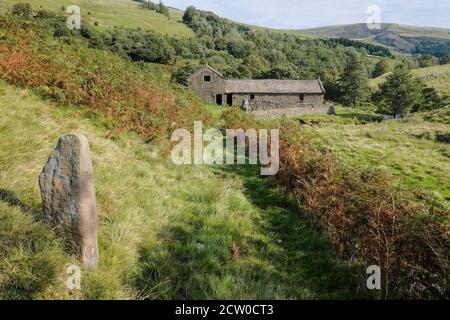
[68, 196]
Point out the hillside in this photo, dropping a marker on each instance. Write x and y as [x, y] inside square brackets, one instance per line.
[117, 13]
[401, 38]
[155, 243]
[437, 77]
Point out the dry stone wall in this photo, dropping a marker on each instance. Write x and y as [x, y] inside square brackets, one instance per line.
[270, 110]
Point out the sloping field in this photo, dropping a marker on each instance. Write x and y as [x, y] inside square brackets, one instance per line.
[437, 77]
[117, 13]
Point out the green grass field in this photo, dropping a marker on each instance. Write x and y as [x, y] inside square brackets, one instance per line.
[437, 77]
[116, 13]
[408, 149]
[343, 116]
[161, 235]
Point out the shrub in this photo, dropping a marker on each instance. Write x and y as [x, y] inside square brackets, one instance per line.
[445, 59]
[382, 67]
[22, 10]
[427, 60]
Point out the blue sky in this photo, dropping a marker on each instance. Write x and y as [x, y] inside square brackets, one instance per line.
[298, 14]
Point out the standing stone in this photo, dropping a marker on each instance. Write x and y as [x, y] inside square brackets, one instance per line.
[68, 196]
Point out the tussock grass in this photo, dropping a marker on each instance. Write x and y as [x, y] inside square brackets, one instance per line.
[165, 231]
[440, 115]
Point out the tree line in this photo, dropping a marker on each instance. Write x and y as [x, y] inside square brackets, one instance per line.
[233, 49]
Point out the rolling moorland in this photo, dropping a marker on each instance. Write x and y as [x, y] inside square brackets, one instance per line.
[400, 38]
[172, 239]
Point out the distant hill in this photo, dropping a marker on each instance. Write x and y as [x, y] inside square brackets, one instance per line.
[401, 38]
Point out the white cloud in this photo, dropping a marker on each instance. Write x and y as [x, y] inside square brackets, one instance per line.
[296, 14]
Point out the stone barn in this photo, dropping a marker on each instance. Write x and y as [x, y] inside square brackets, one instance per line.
[264, 98]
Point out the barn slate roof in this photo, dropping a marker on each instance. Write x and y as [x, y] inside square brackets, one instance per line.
[274, 86]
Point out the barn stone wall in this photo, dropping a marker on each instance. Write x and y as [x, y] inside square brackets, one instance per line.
[207, 90]
[280, 99]
[292, 111]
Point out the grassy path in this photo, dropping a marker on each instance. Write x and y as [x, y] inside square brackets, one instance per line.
[303, 258]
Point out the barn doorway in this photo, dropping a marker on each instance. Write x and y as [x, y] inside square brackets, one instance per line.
[219, 99]
[229, 99]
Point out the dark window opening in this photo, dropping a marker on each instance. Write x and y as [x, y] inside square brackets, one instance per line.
[219, 99]
[230, 99]
[207, 78]
[252, 97]
[302, 97]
